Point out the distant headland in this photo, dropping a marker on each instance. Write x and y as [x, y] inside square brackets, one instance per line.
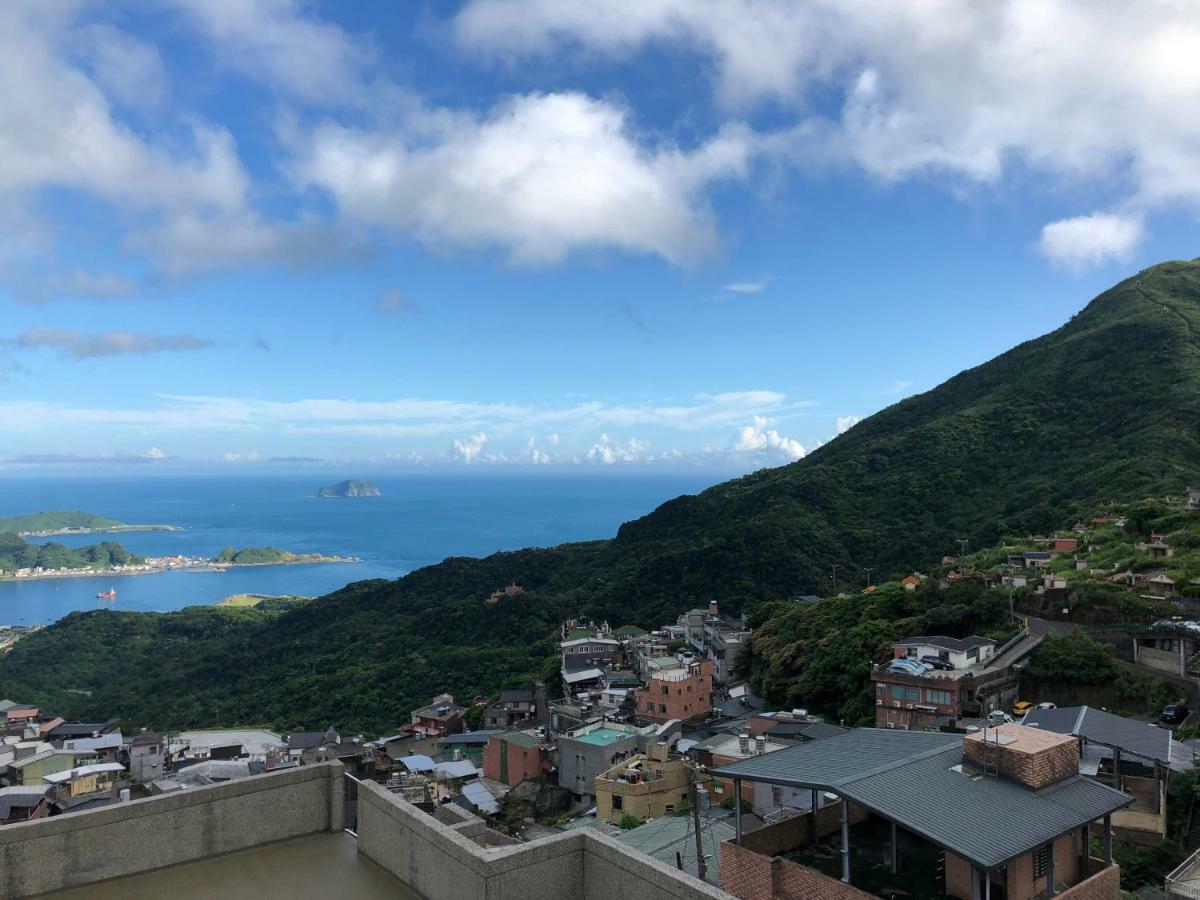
[51, 524]
[350, 488]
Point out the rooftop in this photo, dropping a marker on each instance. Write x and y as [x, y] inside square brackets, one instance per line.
[257, 742]
[918, 779]
[958, 645]
[317, 865]
[1143, 739]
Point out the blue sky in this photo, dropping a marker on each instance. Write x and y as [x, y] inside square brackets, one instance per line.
[668, 233]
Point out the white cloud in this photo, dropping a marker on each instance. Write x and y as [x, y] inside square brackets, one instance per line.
[1091, 240]
[250, 456]
[845, 423]
[608, 451]
[761, 439]
[534, 455]
[1088, 93]
[81, 345]
[540, 176]
[747, 287]
[130, 70]
[154, 453]
[276, 41]
[469, 448]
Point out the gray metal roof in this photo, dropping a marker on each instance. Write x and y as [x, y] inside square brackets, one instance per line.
[1143, 739]
[947, 643]
[915, 779]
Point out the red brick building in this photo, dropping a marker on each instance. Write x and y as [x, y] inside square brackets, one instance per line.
[514, 756]
[677, 693]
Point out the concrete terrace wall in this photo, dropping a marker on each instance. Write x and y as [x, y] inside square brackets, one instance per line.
[128, 838]
[753, 876]
[796, 831]
[445, 862]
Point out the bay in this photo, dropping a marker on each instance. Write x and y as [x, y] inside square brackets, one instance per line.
[419, 520]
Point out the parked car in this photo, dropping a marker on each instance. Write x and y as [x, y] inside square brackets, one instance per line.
[907, 667]
[1047, 705]
[1021, 707]
[1174, 713]
[999, 717]
[938, 663]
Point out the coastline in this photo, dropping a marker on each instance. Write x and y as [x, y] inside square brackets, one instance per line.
[158, 570]
[115, 529]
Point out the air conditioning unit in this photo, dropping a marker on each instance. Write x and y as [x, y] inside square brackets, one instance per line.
[896, 703]
[879, 703]
[908, 706]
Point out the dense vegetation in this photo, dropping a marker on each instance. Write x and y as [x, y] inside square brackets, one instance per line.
[1105, 408]
[18, 553]
[351, 488]
[254, 556]
[56, 521]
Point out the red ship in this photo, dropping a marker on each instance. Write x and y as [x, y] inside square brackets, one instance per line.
[110, 594]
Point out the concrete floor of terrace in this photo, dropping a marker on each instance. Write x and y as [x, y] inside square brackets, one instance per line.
[316, 865]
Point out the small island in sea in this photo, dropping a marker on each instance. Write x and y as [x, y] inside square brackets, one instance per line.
[51, 524]
[351, 488]
[272, 556]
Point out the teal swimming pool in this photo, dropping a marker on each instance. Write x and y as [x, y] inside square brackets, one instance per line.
[602, 736]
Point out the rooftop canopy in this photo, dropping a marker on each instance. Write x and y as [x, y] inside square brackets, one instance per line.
[918, 780]
[1141, 739]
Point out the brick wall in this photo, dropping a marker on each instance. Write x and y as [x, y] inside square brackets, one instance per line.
[753, 876]
[1035, 770]
[1104, 885]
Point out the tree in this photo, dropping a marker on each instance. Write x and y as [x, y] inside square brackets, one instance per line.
[629, 821]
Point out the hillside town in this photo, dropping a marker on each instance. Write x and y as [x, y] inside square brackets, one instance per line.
[654, 740]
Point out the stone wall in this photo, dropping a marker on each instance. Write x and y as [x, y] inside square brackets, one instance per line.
[445, 862]
[1104, 885]
[140, 835]
[753, 876]
[1034, 768]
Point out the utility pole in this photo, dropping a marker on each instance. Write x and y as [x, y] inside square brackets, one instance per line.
[833, 578]
[869, 570]
[962, 545]
[693, 796]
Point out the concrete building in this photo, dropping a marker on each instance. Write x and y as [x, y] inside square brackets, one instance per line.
[84, 782]
[34, 769]
[441, 717]
[146, 755]
[1003, 813]
[24, 803]
[644, 786]
[677, 694]
[514, 756]
[512, 710]
[585, 752]
[962, 653]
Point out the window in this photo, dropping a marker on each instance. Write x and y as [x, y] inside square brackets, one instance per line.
[1041, 861]
[662, 707]
[904, 692]
[973, 653]
[618, 801]
[942, 698]
[718, 787]
[665, 690]
[669, 808]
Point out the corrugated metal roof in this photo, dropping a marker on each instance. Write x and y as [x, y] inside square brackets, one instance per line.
[481, 798]
[915, 779]
[833, 761]
[1143, 739]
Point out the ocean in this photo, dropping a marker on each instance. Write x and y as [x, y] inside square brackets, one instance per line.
[420, 519]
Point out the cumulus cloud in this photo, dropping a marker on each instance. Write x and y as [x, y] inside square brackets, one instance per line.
[747, 287]
[845, 423]
[608, 451]
[1091, 240]
[82, 345]
[761, 439]
[469, 448]
[535, 455]
[1033, 84]
[539, 176]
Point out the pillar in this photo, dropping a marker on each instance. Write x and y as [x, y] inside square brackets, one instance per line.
[816, 805]
[845, 840]
[1117, 768]
[975, 893]
[1157, 788]
[1108, 840]
[737, 810]
[1050, 871]
[1086, 863]
[895, 860]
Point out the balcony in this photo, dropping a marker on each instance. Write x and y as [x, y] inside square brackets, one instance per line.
[281, 835]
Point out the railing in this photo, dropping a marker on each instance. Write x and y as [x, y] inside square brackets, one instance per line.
[350, 801]
[1182, 881]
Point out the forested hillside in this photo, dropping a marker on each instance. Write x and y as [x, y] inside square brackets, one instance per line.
[1105, 408]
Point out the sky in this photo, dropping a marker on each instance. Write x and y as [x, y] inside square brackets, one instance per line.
[528, 233]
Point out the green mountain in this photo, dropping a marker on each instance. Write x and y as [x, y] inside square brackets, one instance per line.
[1106, 407]
[17, 553]
[351, 488]
[57, 521]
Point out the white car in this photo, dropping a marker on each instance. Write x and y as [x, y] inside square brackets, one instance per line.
[1047, 705]
[1000, 717]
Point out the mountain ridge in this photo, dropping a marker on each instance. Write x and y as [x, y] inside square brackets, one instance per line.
[1105, 407]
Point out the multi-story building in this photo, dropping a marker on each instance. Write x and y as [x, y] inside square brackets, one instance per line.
[585, 752]
[146, 755]
[962, 653]
[677, 693]
[512, 710]
[441, 717]
[514, 756]
[644, 786]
